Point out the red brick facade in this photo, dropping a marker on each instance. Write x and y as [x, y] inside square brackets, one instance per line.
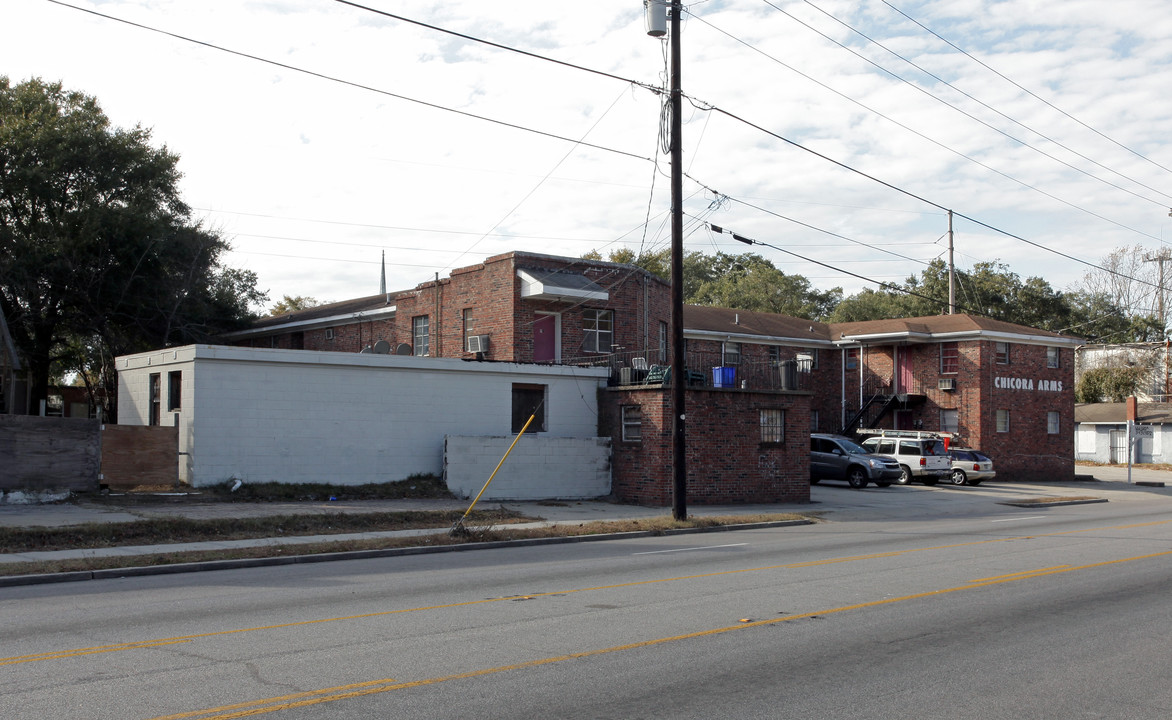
[841, 367]
[728, 460]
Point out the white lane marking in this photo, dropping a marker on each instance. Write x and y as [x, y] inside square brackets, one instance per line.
[1031, 517]
[705, 547]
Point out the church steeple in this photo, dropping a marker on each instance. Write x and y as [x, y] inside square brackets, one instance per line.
[382, 283]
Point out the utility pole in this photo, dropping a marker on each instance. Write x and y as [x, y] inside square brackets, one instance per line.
[1162, 258]
[951, 271]
[657, 27]
[679, 377]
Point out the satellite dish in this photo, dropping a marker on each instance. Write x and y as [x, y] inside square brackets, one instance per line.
[365, 349]
[403, 349]
[382, 347]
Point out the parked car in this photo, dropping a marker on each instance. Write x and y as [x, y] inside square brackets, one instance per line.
[921, 455]
[840, 458]
[970, 467]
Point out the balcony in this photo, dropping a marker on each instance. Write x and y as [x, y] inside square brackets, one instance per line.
[703, 370]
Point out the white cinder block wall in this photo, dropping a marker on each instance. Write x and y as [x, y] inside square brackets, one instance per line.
[538, 468]
[264, 415]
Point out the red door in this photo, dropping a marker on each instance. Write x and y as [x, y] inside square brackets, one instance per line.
[545, 339]
[903, 362]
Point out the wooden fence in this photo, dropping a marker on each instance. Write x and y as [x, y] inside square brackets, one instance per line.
[39, 453]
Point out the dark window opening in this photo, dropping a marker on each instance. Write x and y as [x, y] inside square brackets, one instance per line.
[528, 401]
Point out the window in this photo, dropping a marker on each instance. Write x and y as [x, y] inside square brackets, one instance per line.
[1052, 422]
[949, 421]
[297, 341]
[949, 358]
[329, 333]
[730, 353]
[420, 336]
[1001, 353]
[154, 390]
[598, 328]
[469, 325]
[662, 341]
[772, 426]
[774, 354]
[174, 390]
[1051, 357]
[632, 423]
[808, 360]
[1002, 421]
[852, 358]
[815, 421]
[528, 401]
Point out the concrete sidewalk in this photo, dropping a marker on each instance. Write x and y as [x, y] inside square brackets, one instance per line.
[828, 500]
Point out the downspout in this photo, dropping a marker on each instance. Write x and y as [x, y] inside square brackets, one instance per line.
[439, 347]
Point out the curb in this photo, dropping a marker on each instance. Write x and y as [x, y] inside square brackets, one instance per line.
[1054, 504]
[243, 563]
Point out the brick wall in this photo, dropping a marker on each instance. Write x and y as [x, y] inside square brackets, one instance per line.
[727, 462]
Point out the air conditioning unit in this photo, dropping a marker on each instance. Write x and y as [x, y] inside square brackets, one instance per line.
[477, 343]
[947, 384]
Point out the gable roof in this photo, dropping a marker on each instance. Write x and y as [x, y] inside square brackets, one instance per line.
[703, 320]
[944, 328]
[1115, 413]
[321, 316]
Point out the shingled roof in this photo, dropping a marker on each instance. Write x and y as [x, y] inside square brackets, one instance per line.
[935, 328]
[725, 321]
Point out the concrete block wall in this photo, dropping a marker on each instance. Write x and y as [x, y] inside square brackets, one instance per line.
[538, 467]
[263, 415]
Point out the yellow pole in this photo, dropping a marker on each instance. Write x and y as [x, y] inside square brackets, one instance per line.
[498, 467]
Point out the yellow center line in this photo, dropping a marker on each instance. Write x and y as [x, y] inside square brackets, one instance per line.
[143, 644]
[346, 692]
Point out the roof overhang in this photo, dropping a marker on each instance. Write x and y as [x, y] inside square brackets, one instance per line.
[311, 324]
[560, 286]
[916, 336]
[755, 338]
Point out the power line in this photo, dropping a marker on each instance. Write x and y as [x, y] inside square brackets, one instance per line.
[1025, 90]
[920, 135]
[349, 83]
[979, 102]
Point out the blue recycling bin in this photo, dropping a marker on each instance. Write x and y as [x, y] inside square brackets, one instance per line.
[724, 377]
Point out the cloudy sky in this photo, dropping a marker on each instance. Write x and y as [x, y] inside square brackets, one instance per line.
[317, 134]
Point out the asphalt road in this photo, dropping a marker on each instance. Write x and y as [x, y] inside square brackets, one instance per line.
[889, 611]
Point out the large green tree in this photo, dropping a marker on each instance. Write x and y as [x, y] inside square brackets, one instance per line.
[99, 256]
[745, 282]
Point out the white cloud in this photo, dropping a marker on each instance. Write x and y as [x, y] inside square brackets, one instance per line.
[313, 178]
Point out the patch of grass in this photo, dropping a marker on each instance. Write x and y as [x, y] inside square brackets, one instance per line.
[415, 486]
[479, 531]
[180, 530]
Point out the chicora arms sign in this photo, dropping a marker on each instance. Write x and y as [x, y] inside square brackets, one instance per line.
[1027, 384]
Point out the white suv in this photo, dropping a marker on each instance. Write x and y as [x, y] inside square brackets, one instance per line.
[921, 455]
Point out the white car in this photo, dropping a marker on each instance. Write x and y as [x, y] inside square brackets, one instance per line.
[922, 458]
[970, 467]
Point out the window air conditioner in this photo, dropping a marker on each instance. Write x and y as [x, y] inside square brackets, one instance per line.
[477, 343]
[947, 384]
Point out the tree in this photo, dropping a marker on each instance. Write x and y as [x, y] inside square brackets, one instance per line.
[289, 304]
[1128, 285]
[743, 282]
[98, 253]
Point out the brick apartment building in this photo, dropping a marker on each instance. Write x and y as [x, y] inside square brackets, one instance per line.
[758, 383]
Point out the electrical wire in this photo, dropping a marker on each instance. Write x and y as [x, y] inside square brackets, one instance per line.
[980, 102]
[1024, 89]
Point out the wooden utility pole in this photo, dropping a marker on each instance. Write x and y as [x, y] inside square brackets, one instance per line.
[951, 270]
[1163, 257]
[679, 376]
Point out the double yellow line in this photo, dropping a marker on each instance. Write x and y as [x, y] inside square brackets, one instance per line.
[346, 692]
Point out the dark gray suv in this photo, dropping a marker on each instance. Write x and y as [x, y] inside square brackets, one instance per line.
[840, 458]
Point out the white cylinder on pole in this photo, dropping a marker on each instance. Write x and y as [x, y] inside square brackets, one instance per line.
[655, 12]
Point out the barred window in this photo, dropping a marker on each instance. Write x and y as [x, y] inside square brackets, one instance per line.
[772, 426]
[632, 423]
